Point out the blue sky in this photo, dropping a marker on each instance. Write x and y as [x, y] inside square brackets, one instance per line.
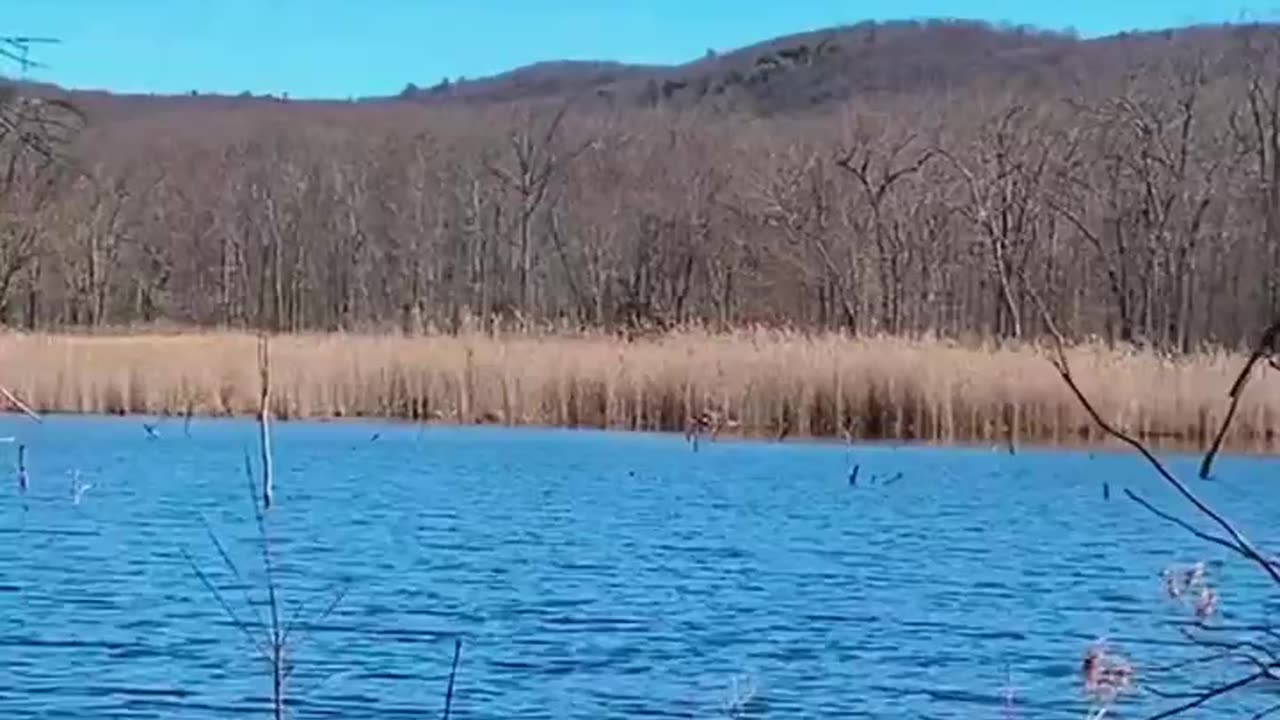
[337, 48]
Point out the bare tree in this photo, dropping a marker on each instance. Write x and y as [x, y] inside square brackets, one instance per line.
[1004, 182]
[533, 161]
[1140, 205]
[880, 163]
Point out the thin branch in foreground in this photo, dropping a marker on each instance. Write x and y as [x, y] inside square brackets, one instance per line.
[1262, 629]
[1206, 696]
[1060, 363]
[295, 621]
[276, 638]
[226, 606]
[1239, 649]
[233, 568]
[1266, 712]
[1234, 541]
[1264, 348]
[1207, 537]
[276, 641]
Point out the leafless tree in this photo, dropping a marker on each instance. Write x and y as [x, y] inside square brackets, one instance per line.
[1137, 197]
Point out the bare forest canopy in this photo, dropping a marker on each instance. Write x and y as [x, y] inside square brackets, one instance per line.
[906, 178]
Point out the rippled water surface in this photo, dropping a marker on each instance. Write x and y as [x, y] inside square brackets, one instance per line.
[589, 575]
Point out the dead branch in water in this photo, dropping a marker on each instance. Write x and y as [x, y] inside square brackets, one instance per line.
[264, 421]
[186, 418]
[279, 671]
[708, 423]
[453, 675]
[23, 482]
[273, 639]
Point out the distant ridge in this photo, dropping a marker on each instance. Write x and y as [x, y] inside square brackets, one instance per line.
[794, 73]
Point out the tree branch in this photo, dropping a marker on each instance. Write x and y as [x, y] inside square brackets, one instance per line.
[1060, 363]
[1264, 348]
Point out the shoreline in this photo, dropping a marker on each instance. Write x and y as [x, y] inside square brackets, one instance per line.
[755, 384]
[1098, 445]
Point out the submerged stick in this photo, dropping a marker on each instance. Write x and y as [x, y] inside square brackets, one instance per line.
[275, 642]
[453, 674]
[22, 469]
[264, 421]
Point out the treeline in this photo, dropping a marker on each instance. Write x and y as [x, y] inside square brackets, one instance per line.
[1139, 204]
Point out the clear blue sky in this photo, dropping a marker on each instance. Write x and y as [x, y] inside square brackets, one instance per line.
[341, 48]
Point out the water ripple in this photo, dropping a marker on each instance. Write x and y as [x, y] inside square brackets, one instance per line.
[589, 575]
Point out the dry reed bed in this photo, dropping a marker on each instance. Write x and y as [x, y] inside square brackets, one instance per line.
[771, 383]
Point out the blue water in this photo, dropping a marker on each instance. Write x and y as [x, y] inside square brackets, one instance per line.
[589, 575]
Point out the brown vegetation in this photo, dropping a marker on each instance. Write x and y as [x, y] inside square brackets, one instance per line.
[762, 383]
[1130, 184]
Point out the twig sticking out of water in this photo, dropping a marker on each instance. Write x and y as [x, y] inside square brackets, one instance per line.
[743, 694]
[78, 489]
[278, 669]
[453, 674]
[274, 643]
[271, 636]
[150, 429]
[707, 422]
[1009, 698]
[884, 482]
[264, 421]
[272, 648]
[23, 482]
[784, 429]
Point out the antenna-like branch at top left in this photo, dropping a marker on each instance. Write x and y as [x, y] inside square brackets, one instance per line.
[18, 49]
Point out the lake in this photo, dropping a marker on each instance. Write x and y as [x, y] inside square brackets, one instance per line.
[588, 574]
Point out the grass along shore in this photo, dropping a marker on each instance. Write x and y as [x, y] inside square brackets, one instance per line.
[760, 383]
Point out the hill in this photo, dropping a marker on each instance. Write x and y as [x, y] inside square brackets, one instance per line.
[902, 178]
[795, 73]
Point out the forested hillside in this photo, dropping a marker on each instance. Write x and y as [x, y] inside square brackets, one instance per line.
[904, 179]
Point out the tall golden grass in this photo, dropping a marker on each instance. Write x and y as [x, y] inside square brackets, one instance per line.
[767, 383]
